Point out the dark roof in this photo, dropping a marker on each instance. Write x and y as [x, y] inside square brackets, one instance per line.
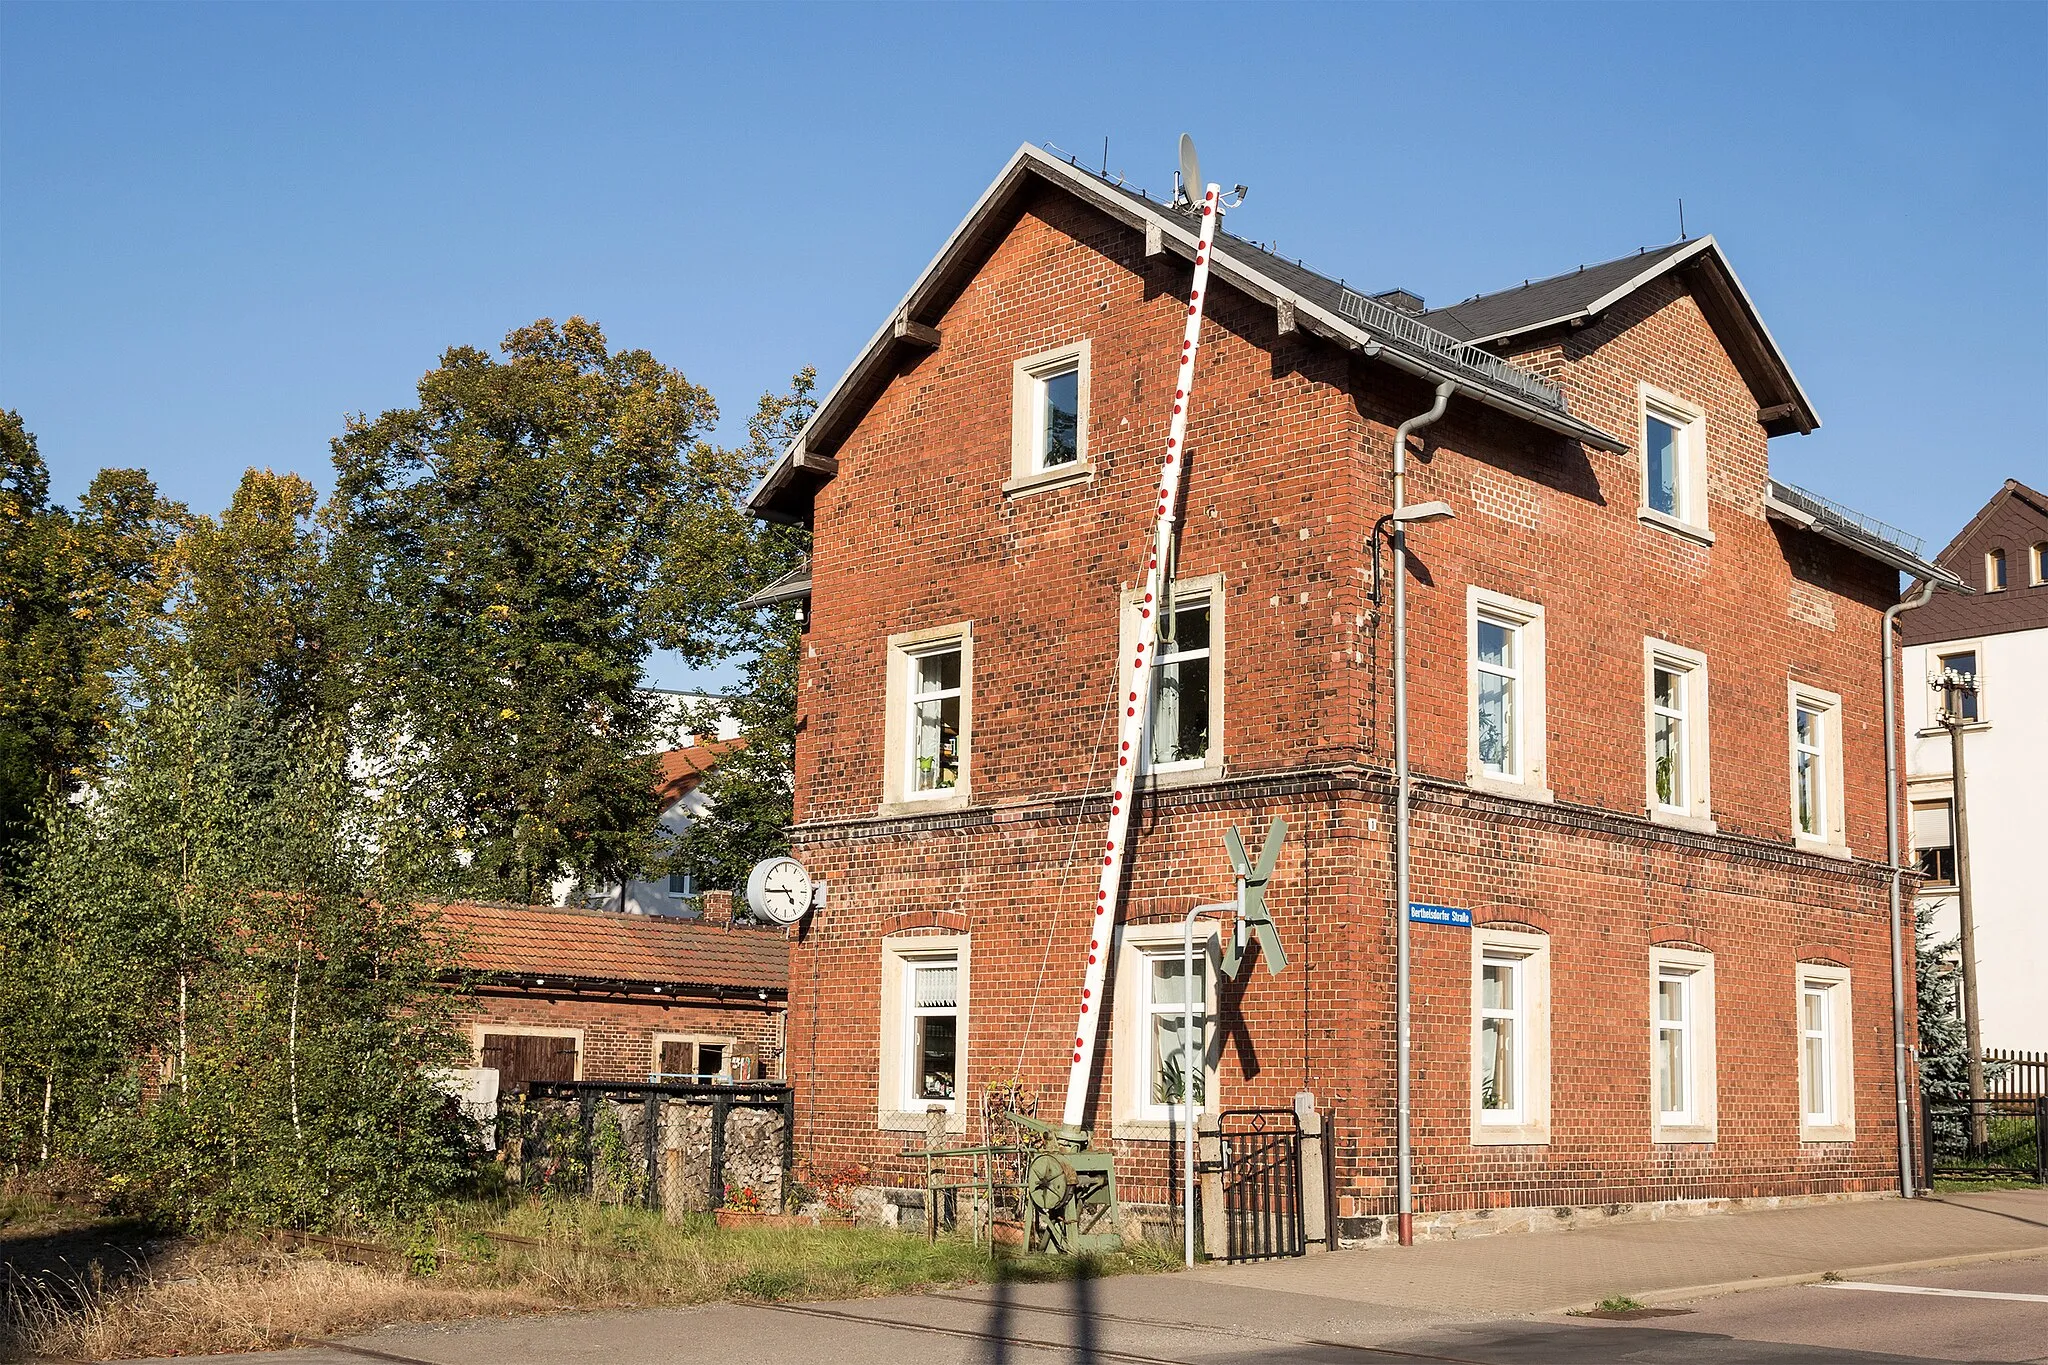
[1535, 302]
[2015, 520]
[605, 946]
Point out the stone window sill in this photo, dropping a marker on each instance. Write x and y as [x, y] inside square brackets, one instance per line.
[957, 799]
[1181, 777]
[1827, 848]
[1510, 1135]
[1519, 791]
[1045, 480]
[1697, 1135]
[1698, 824]
[1650, 516]
[1836, 1133]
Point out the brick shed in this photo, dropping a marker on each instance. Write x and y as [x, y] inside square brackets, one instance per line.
[565, 994]
[1646, 726]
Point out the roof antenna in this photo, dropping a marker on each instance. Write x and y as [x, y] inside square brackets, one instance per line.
[1105, 156]
[1681, 220]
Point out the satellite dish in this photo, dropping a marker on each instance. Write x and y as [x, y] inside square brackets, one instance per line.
[1190, 170]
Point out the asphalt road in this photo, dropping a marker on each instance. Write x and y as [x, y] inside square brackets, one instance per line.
[1093, 1322]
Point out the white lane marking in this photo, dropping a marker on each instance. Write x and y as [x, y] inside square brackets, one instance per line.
[1944, 1293]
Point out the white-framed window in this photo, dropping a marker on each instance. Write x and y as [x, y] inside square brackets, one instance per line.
[932, 1032]
[1165, 1038]
[938, 740]
[1934, 841]
[1503, 1038]
[1994, 571]
[1682, 1053]
[1815, 744]
[1968, 694]
[1827, 1090]
[928, 732]
[1149, 1037]
[1505, 684]
[1674, 460]
[924, 1030]
[1675, 731]
[2037, 562]
[1184, 678]
[1510, 1037]
[1180, 689]
[1049, 419]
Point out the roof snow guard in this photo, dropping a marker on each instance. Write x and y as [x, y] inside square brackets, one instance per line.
[1404, 330]
[1825, 517]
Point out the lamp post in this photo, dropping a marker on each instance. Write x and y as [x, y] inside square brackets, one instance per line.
[1958, 709]
[1394, 525]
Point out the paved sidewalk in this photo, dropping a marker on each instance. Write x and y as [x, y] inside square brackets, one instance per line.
[1320, 1308]
[1517, 1273]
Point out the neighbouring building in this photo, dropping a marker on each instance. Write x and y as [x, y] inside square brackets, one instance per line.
[1646, 720]
[594, 995]
[679, 776]
[1999, 637]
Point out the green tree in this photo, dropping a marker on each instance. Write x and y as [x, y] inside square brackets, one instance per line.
[495, 550]
[250, 611]
[722, 556]
[82, 597]
[220, 992]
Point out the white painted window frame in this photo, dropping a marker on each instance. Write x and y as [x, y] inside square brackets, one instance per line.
[899, 792]
[1028, 471]
[1688, 422]
[1833, 836]
[1995, 561]
[898, 1110]
[1696, 811]
[1700, 1121]
[1531, 782]
[1186, 592]
[1529, 1123]
[1940, 655]
[1133, 1115]
[1838, 1123]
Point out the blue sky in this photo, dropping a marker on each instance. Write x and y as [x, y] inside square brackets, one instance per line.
[222, 228]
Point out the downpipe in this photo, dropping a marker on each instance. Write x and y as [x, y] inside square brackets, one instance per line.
[1900, 1048]
[1404, 1177]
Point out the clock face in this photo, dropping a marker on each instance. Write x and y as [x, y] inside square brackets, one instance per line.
[779, 890]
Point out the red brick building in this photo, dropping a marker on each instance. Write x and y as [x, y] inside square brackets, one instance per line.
[594, 995]
[1646, 729]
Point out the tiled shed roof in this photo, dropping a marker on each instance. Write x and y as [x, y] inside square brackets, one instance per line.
[678, 771]
[600, 945]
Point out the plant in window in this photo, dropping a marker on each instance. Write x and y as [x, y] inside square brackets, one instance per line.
[1170, 1086]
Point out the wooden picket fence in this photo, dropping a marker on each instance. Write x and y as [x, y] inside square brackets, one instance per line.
[2025, 1074]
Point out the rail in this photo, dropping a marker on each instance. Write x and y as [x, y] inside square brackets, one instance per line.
[1418, 335]
[1814, 505]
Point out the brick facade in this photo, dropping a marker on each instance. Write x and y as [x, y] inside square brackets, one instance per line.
[618, 1039]
[1287, 469]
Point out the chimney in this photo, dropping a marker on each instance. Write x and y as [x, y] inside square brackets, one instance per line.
[717, 908]
[1401, 301]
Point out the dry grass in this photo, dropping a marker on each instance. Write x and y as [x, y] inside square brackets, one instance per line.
[245, 1294]
[206, 1300]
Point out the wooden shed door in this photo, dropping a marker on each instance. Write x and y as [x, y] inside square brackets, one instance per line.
[524, 1057]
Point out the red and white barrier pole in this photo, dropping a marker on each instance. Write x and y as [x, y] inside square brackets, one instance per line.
[1135, 694]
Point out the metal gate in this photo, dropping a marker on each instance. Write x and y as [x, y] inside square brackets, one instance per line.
[1262, 1212]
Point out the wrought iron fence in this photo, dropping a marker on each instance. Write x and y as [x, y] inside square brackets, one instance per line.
[1999, 1138]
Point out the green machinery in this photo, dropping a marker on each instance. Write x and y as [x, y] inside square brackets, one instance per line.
[1068, 1195]
[1069, 1192]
